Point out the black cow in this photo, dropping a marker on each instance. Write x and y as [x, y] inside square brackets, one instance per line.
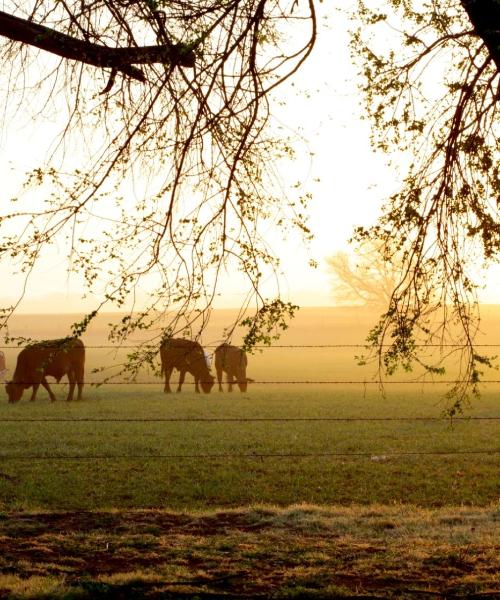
[54, 358]
[187, 357]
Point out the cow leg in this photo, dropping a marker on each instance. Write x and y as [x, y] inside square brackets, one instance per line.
[34, 390]
[45, 384]
[72, 384]
[230, 381]
[80, 375]
[182, 375]
[168, 373]
[196, 386]
[71, 391]
[219, 379]
[241, 379]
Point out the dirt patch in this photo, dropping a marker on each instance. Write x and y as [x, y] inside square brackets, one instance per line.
[250, 553]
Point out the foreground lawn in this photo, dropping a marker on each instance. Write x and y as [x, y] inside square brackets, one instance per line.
[133, 447]
[302, 551]
[280, 493]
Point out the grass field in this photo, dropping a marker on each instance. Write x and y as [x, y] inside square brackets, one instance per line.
[288, 491]
[84, 459]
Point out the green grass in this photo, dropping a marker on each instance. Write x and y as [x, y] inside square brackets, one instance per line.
[225, 478]
[374, 525]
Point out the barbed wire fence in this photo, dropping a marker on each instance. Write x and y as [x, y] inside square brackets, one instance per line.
[365, 381]
[253, 455]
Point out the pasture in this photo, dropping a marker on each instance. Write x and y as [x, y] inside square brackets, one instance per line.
[133, 446]
[304, 490]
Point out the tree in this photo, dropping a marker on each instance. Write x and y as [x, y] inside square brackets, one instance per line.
[172, 97]
[369, 281]
[180, 93]
[433, 97]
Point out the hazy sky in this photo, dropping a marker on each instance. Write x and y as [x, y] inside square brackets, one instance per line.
[323, 108]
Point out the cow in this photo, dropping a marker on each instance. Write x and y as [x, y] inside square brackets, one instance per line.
[233, 361]
[54, 358]
[187, 357]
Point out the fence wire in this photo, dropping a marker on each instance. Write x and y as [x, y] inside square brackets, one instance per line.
[259, 347]
[380, 456]
[159, 382]
[232, 419]
[110, 381]
[254, 455]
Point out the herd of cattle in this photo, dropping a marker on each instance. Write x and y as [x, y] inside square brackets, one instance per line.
[57, 358]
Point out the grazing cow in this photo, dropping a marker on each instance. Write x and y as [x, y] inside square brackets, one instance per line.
[185, 356]
[3, 367]
[54, 358]
[233, 361]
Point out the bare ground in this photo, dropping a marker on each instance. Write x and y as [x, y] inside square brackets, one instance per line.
[258, 552]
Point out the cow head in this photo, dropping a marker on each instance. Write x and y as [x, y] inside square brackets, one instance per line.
[244, 384]
[207, 383]
[14, 391]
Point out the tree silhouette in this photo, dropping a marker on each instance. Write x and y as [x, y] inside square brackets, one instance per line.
[173, 99]
[433, 97]
[163, 171]
[364, 277]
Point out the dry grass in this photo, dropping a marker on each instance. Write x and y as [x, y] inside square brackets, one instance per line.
[301, 551]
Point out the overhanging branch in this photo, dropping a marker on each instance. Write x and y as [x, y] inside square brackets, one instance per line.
[66, 46]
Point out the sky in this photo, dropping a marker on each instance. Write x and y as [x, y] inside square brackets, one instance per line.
[323, 108]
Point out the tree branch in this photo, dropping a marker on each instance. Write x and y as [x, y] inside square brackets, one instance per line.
[121, 59]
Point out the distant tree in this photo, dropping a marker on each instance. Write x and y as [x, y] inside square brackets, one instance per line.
[363, 277]
[433, 97]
